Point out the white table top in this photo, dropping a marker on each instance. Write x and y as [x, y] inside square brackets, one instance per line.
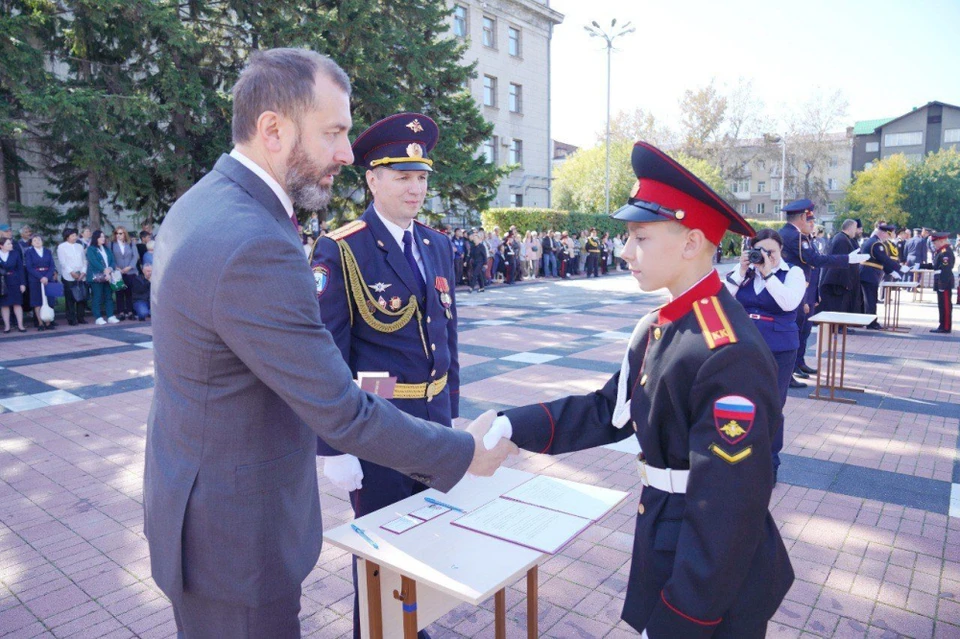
[910, 285]
[844, 319]
[462, 563]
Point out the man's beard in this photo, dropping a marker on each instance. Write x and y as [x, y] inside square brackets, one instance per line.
[303, 180]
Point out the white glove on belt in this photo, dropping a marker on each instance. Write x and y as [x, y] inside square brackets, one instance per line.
[344, 472]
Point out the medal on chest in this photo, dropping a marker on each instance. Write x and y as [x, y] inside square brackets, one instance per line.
[443, 290]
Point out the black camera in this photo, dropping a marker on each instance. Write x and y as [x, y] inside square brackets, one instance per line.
[755, 256]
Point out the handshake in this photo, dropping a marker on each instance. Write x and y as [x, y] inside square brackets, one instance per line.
[492, 445]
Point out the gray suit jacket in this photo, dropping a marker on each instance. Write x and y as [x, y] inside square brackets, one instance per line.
[246, 377]
[128, 258]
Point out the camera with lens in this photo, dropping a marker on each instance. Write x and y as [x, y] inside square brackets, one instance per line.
[755, 256]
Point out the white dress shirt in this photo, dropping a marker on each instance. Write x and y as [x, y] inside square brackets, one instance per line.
[397, 234]
[787, 294]
[263, 175]
[72, 258]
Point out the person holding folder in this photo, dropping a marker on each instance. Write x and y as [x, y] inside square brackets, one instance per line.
[697, 388]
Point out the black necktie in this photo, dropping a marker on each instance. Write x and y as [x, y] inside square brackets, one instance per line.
[412, 261]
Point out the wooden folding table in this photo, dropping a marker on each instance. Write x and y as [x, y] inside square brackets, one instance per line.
[891, 304]
[832, 326]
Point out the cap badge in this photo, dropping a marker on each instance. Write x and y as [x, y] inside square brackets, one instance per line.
[680, 214]
[414, 150]
[415, 126]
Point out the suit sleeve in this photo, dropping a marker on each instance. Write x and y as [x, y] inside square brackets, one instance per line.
[725, 518]
[296, 357]
[810, 255]
[569, 424]
[878, 253]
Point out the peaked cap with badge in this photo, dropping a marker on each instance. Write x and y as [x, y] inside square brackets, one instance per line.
[697, 388]
[401, 142]
[797, 207]
[666, 190]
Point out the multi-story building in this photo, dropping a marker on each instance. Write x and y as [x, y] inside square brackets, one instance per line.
[817, 168]
[510, 41]
[923, 130]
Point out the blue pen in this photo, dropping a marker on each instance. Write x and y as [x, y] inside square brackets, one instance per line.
[357, 529]
[431, 500]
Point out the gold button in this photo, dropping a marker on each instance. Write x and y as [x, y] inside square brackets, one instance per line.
[643, 380]
[657, 333]
[433, 347]
[429, 319]
[640, 509]
[635, 426]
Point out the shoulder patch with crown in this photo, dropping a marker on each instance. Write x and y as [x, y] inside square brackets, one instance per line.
[347, 230]
[713, 322]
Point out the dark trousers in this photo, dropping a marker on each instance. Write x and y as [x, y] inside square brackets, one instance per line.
[836, 299]
[201, 618]
[593, 264]
[75, 309]
[945, 307]
[102, 297]
[786, 361]
[476, 278]
[125, 297]
[870, 290]
[458, 268]
[803, 324]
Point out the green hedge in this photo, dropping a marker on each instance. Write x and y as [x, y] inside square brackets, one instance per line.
[534, 219]
[757, 225]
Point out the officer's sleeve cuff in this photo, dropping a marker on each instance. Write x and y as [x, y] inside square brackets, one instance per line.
[669, 621]
[533, 427]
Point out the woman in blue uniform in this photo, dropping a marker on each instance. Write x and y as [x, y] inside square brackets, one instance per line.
[11, 270]
[770, 291]
[38, 262]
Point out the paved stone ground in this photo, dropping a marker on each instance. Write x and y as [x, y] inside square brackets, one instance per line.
[868, 504]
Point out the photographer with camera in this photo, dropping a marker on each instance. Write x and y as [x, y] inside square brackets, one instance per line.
[770, 290]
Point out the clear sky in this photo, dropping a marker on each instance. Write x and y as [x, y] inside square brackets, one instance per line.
[887, 56]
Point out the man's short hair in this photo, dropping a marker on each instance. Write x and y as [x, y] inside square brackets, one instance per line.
[280, 80]
[848, 224]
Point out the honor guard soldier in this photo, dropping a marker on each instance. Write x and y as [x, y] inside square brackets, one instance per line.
[698, 389]
[592, 247]
[872, 271]
[800, 250]
[386, 289]
[943, 281]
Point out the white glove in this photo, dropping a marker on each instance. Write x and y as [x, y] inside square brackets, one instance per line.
[344, 472]
[501, 428]
[857, 257]
[904, 269]
[896, 276]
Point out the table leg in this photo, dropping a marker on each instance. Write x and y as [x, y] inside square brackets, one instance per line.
[374, 611]
[500, 614]
[533, 594]
[833, 362]
[816, 391]
[829, 334]
[408, 597]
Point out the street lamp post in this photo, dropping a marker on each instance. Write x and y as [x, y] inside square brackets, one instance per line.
[776, 138]
[596, 31]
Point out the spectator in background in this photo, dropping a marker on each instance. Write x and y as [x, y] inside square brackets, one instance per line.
[100, 264]
[125, 257]
[313, 225]
[461, 247]
[13, 285]
[549, 247]
[23, 244]
[477, 263]
[606, 253]
[85, 235]
[532, 257]
[38, 262]
[493, 246]
[140, 292]
[145, 237]
[73, 273]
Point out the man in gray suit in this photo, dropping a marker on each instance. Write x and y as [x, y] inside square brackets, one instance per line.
[231, 506]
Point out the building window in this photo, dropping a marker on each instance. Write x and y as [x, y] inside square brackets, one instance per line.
[868, 166]
[516, 152]
[489, 91]
[912, 138]
[518, 199]
[460, 21]
[514, 44]
[489, 32]
[490, 150]
[873, 147]
[831, 207]
[516, 98]
[834, 162]
[761, 164]
[832, 184]
[761, 187]
[951, 136]
[744, 209]
[741, 186]
[761, 209]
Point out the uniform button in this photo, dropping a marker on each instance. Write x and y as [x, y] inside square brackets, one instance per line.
[635, 426]
[433, 347]
[429, 319]
[433, 373]
[640, 509]
[657, 333]
[643, 380]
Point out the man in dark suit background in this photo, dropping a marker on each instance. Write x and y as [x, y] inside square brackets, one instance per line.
[231, 505]
[838, 284]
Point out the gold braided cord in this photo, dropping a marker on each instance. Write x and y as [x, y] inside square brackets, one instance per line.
[363, 298]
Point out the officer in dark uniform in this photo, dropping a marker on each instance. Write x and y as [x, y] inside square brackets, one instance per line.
[386, 288]
[592, 247]
[698, 389]
[800, 250]
[477, 262]
[872, 271]
[943, 281]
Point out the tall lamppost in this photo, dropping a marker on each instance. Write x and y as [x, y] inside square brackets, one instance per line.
[776, 138]
[596, 31]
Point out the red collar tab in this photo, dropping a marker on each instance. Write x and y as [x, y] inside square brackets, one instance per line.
[685, 209]
[709, 286]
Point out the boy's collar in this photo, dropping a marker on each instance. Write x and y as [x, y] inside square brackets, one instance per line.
[708, 286]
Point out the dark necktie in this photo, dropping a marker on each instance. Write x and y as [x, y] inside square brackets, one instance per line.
[412, 261]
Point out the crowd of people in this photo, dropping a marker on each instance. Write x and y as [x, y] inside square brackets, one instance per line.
[105, 275]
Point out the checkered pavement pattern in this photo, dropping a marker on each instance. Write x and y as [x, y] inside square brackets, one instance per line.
[868, 501]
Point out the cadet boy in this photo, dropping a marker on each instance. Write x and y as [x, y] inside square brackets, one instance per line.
[943, 282]
[697, 387]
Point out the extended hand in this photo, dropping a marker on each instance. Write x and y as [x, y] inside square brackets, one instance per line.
[856, 257]
[896, 276]
[486, 462]
[344, 472]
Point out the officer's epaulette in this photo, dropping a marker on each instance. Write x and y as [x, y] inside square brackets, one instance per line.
[347, 230]
[427, 227]
[713, 322]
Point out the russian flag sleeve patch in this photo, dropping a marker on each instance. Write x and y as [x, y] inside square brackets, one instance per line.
[733, 416]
